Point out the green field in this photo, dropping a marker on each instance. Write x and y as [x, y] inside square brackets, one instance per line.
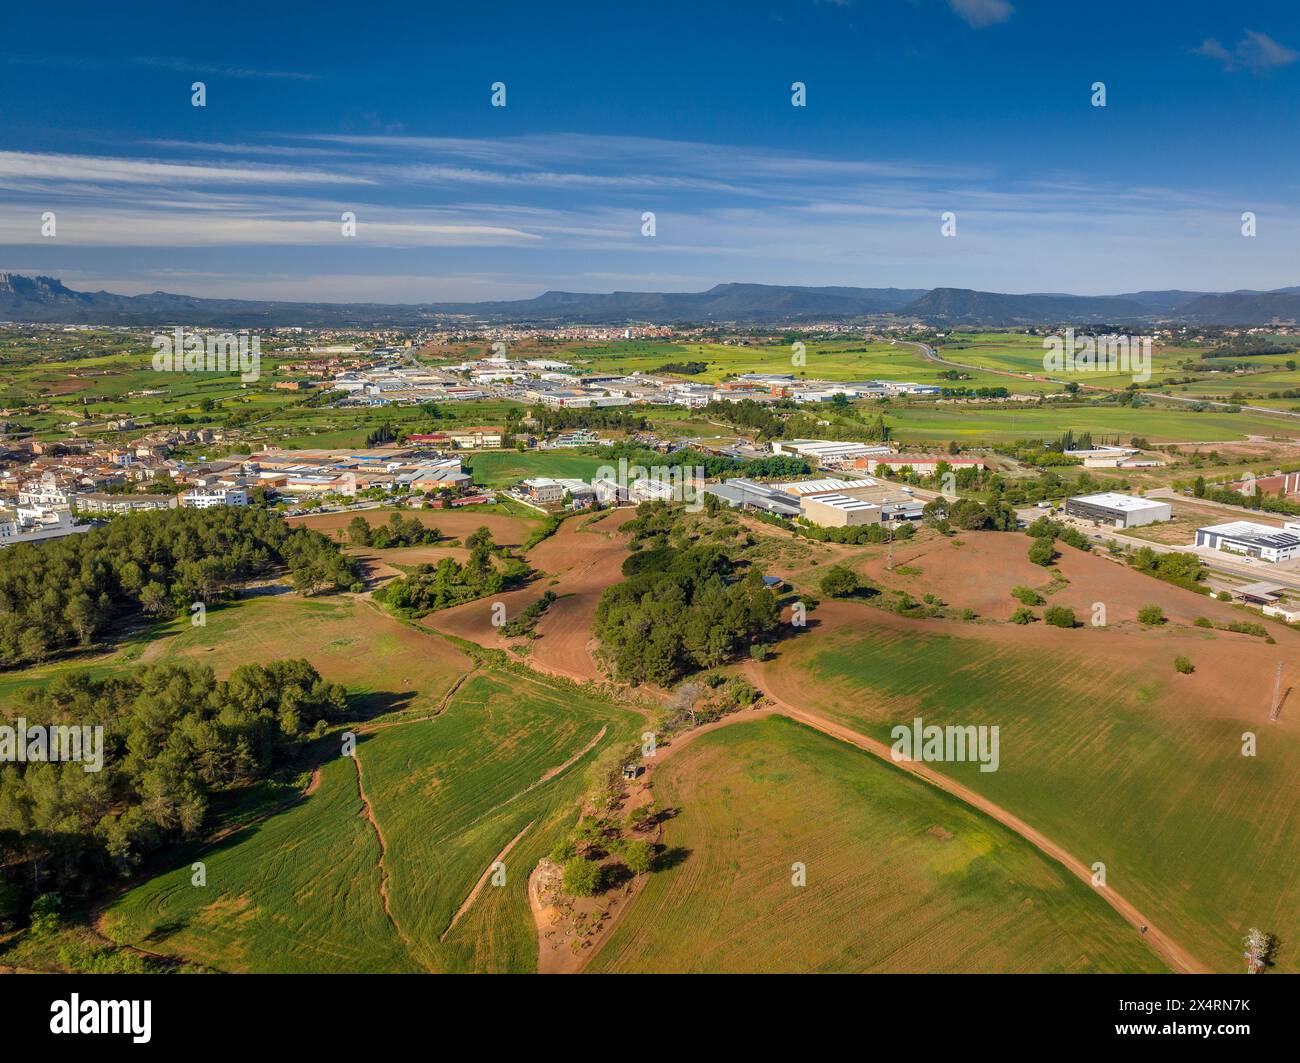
[900, 877]
[300, 892]
[1116, 766]
[971, 424]
[505, 468]
[825, 359]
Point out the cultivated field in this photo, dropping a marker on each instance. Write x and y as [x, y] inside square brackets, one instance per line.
[1104, 747]
[900, 877]
[369, 870]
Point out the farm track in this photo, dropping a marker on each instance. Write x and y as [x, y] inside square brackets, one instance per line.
[478, 886]
[368, 812]
[547, 777]
[1178, 958]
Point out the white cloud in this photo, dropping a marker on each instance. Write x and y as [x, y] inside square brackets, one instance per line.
[981, 13]
[24, 165]
[1255, 51]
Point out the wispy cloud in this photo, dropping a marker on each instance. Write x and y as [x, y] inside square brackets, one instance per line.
[1255, 51]
[184, 66]
[981, 13]
[25, 165]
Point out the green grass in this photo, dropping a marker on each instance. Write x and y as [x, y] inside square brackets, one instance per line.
[1116, 767]
[971, 424]
[504, 468]
[900, 877]
[296, 892]
[300, 892]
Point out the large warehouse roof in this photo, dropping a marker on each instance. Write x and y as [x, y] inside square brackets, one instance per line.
[1245, 531]
[1124, 503]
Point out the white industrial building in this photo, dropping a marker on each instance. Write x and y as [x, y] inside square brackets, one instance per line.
[1120, 511]
[839, 511]
[1254, 540]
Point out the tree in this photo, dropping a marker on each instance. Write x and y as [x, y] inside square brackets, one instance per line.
[583, 877]
[1023, 615]
[359, 531]
[639, 856]
[967, 514]
[840, 582]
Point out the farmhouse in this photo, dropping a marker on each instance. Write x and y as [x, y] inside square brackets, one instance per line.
[1120, 511]
[1254, 540]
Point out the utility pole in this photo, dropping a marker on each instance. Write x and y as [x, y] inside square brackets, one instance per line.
[1276, 709]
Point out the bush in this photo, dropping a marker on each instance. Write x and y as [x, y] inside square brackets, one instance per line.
[760, 651]
[583, 878]
[1183, 666]
[840, 582]
[564, 852]
[1060, 616]
[1026, 595]
[1042, 552]
[1151, 614]
[1203, 621]
[1022, 615]
[45, 915]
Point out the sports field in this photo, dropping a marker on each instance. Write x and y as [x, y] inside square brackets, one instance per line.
[900, 877]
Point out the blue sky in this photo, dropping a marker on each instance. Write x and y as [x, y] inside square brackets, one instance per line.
[914, 107]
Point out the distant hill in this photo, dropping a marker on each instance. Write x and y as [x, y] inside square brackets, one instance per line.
[961, 306]
[724, 302]
[1244, 308]
[48, 300]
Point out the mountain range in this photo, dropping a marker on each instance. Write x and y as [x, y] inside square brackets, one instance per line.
[47, 300]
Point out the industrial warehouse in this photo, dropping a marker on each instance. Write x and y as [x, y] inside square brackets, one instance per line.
[1254, 540]
[1119, 511]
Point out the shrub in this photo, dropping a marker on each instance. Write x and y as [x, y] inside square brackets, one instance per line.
[840, 582]
[760, 651]
[1042, 552]
[1060, 616]
[1183, 666]
[1023, 615]
[1203, 621]
[1026, 595]
[1151, 614]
